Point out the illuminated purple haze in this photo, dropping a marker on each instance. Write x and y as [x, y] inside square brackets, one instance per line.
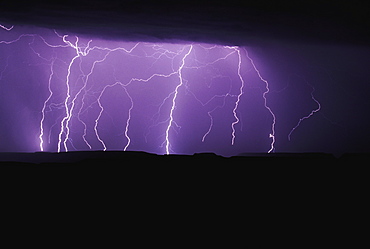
[73, 93]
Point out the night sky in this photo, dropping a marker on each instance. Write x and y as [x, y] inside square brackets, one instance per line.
[308, 52]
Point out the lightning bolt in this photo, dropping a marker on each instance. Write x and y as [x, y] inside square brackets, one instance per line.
[68, 94]
[272, 134]
[44, 107]
[7, 29]
[238, 97]
[128, 121]
[310, 114]
[174, 99]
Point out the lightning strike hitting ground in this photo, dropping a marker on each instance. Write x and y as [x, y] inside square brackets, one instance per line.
[272, 134]
[238, 97]
[173, 106]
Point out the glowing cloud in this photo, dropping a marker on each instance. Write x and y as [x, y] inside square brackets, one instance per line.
[110, 95]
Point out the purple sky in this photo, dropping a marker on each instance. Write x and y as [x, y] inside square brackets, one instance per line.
[87, 93]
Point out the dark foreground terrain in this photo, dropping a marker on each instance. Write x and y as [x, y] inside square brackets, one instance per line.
[94, 159]
[251, 199]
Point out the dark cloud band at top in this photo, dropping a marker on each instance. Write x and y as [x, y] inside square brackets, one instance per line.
[231, 22]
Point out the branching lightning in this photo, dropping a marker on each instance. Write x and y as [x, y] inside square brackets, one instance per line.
[44, 107]
[173, 106]
[272, 134]
[83, 73]
[309, 115]
[238, 97]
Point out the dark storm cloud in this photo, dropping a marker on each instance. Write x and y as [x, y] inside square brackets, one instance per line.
[230, 22]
